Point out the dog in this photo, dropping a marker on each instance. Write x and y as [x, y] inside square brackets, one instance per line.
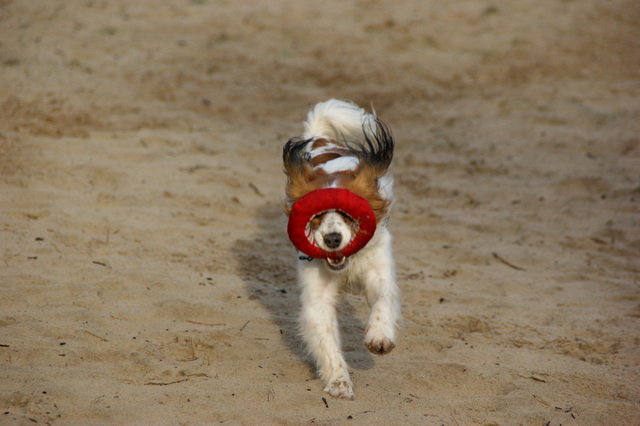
[343, 146]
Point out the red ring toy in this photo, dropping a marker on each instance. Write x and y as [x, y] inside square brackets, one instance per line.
[320, 201]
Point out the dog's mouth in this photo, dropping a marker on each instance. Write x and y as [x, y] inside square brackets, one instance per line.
[337, 264]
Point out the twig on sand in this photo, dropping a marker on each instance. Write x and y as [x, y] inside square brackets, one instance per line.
[255, 189]
[95, 335]
[165, 383]
[540, 400]
[506, 262]
[106, 265]
[207, 324]
[454, 419]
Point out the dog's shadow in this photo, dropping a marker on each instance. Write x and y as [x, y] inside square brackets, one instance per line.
[266, 265]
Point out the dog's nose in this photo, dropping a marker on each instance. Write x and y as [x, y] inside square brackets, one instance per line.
[333, 239]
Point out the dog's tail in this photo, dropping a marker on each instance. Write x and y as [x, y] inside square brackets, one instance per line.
[339, 120]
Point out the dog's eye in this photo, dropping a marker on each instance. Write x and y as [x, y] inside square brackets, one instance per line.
[316, 221]
[347, 219]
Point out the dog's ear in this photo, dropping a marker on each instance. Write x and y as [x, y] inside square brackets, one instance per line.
[365, 185]
[376, 152]
[375, 156]
[298, 170]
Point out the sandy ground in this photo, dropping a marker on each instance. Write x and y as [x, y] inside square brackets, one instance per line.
[145, 275]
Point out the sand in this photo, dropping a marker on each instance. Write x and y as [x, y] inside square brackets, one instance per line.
[145, 273]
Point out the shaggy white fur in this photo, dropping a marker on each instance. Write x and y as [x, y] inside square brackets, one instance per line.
[371, 270]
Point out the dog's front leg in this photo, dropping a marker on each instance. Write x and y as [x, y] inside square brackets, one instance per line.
[319, 325]
[383, 297]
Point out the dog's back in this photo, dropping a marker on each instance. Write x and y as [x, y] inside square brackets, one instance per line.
[342, 146]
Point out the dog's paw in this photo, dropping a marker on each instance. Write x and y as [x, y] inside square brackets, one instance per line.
[378, 343]
[380, 347]
[340, 388]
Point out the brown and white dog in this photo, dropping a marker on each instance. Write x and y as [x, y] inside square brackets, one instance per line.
[344, 147]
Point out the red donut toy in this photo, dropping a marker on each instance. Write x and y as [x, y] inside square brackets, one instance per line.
[320, 201]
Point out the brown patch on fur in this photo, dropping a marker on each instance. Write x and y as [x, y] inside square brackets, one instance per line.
[319, 143]
[323, 158]
[363, 182]
[305, 175]
[300, 181]
[315, 222]
[336, 151]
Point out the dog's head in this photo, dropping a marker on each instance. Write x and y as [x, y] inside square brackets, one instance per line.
[332, 231]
